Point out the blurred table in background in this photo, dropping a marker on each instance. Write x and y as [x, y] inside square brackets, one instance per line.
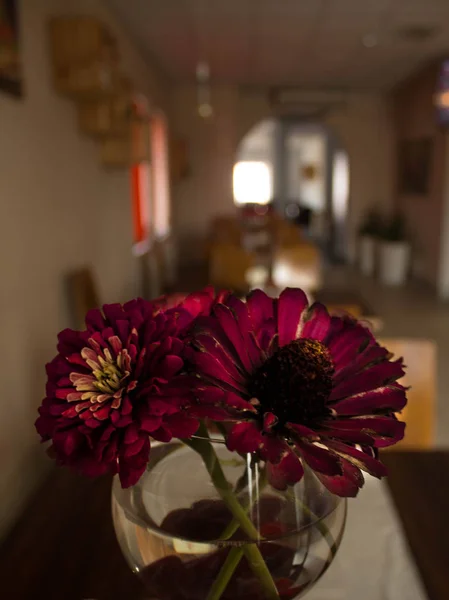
[420, 358]
[248, 253]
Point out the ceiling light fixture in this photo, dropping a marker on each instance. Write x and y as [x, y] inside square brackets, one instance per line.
[370, 40]
[205, 109]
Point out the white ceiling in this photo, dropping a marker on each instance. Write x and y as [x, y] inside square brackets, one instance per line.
[309, 43]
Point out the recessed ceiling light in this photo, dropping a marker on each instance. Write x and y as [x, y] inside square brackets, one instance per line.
[202, 71]
[369, 40]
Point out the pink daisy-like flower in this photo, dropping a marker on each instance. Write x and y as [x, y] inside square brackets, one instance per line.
[299, 386]
[113, 386]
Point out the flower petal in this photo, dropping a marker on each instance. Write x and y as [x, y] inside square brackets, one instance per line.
[181, 425]
[383, 429]
[317, 323]
[391, 398]
[240, 311]
[359, 459]
[244, 437]
[287, 472]
[372, 378]
[150, 423]
[320, 459]
[302, 431]
[260, 308]
[351, 437]
[214, 370]
[169, 366]
[238, 338]
[347, 342]
[94, 319]
[346, 485]
[208, 411]
[269, 421]
[291, 308]
[162, 434]
[370, 356]
[273, 448]
[209, 345]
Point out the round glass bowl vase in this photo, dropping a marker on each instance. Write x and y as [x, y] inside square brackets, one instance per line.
[179, 533]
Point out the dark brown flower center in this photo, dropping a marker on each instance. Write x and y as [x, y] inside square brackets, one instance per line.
[295, 383]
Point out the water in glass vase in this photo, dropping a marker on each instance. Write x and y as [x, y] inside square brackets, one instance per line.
[178, 533]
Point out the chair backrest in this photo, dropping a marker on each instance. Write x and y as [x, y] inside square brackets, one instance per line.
[226, 230]
[169, 257]
[229, 265]
[420, 357]
[155, 269]
[285, 233]
[82, 294]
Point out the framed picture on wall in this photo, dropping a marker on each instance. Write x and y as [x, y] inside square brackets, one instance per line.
[10, 66]
[415, 159]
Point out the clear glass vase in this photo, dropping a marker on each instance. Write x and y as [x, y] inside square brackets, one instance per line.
[191, 538]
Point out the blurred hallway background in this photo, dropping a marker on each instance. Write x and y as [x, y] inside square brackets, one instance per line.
[152, 146]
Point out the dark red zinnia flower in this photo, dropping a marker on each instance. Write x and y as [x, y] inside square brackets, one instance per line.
[113, 386]
[299, 386]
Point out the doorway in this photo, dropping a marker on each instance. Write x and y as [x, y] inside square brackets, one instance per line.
[302, 169]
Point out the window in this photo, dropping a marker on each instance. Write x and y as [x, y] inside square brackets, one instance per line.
[252, 183]
[160, 175]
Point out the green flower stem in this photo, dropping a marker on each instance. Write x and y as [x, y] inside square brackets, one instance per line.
[235, 524]
[319, 524]
[260, 570]
[205, 449]
[226, 572]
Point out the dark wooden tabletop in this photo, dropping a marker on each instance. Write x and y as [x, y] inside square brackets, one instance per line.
[64, 546]
[419, 485]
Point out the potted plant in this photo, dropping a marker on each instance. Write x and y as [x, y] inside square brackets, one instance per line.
[394, 252]
[368, 235]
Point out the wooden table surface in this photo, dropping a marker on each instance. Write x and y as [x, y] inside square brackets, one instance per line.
[64, 546]
[419, 485]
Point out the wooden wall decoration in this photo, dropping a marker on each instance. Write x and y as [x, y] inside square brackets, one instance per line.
[85, 57]
[85, 60]
[10, 66]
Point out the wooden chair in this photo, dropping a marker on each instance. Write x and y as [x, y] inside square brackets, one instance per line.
[420, 357]
[167, 262]
[285, 234]
[229, 265]
[82, 295]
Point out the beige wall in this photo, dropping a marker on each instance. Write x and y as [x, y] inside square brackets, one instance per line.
[207, 191]
[415, 117]
[60, 209]
[363, 125]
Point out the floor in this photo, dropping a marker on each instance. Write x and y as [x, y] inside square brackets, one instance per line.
[411, 311]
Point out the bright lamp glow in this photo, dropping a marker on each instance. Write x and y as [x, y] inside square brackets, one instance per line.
[252, 183]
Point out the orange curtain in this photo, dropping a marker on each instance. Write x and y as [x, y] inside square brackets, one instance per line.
[160, 175]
